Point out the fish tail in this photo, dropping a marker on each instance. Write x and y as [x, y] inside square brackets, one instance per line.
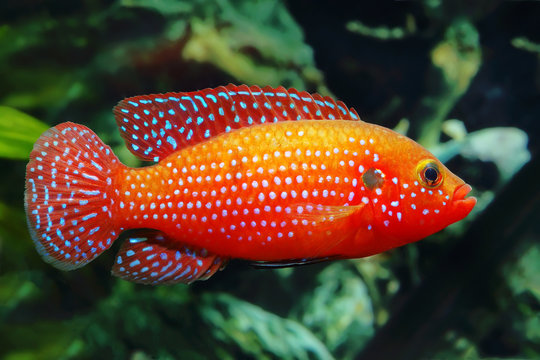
[69, 195]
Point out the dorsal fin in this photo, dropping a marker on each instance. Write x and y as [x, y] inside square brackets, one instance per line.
[155, 126]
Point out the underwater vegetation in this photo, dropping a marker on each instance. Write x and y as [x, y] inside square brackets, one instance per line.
[460, 77]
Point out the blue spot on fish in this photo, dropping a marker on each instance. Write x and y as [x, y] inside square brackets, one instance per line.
[201, 99]
[89, 216]
[172, 141]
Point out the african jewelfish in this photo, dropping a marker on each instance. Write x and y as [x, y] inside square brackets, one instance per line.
[274, 176]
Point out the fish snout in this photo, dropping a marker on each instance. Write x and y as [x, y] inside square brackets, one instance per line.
[462, 204]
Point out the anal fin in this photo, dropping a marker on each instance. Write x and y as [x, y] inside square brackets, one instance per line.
[149, 257]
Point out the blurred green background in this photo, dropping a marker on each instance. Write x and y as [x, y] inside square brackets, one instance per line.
[461, 77]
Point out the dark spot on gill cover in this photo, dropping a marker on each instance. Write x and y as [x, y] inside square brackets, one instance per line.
[373, 178]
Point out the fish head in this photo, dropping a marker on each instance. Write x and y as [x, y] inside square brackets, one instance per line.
[416, 195]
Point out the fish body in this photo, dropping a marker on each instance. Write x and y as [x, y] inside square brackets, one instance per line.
[268, 175]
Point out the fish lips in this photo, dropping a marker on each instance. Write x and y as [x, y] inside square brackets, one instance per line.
[462, 204]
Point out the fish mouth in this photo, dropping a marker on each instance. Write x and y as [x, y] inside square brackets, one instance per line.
[460, 196]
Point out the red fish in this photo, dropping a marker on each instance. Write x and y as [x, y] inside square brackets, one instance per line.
[275, 176]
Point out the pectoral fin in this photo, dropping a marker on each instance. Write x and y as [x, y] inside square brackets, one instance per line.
[329, 226]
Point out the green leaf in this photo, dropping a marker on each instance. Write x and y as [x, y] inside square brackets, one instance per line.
[18, 132]
[43, 340]
[523, 278]
[339, 310]
[255, 42]
[165, 7]
[260, 333]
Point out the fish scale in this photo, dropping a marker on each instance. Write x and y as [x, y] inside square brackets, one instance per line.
[275, 176]
[256, 195]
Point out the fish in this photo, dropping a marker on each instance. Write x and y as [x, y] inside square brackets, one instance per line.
[273, 176]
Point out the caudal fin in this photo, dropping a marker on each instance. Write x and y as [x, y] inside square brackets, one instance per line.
[69, 195]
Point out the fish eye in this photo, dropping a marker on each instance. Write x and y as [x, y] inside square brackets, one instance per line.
[429, 173]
